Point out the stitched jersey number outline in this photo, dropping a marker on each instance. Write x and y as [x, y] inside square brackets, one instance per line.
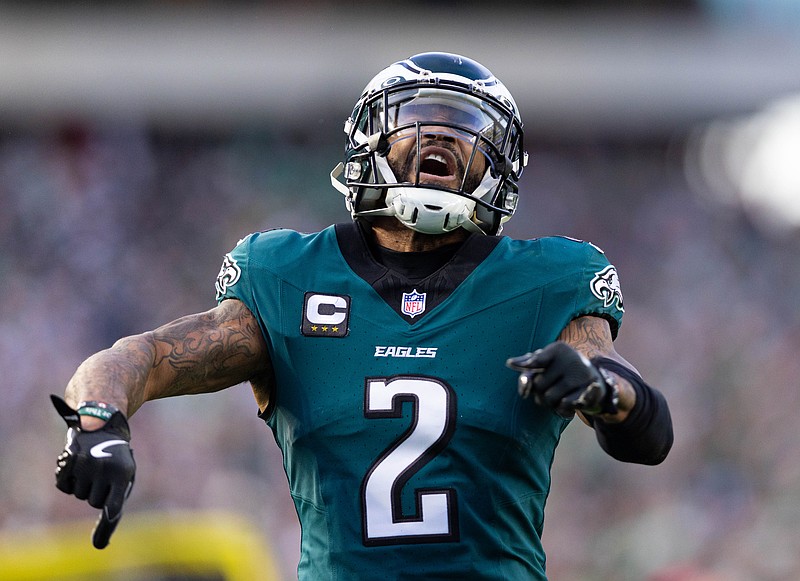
[436, 513]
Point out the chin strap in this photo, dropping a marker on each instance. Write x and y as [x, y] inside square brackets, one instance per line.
[488, 183]
[339, 186]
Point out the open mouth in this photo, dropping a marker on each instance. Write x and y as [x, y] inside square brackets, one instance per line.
[437, 164]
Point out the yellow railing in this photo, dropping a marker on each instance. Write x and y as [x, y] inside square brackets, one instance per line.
[145, 545]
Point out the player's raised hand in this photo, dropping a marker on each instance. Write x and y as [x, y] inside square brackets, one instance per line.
[97, 466]
[561, 378]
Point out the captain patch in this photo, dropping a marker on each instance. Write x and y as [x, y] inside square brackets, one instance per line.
[325, 315]
[605, 286]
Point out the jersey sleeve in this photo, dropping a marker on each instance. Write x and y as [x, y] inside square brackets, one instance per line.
[599, 292]
[233, 280]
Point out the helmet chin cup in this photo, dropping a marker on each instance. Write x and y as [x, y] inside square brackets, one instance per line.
[429, 211]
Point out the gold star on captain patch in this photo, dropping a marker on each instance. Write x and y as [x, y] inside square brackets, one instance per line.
[335, 329]
[324, 329]
[314, 328]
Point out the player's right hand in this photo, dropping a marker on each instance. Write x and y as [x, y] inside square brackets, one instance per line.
[96, 466]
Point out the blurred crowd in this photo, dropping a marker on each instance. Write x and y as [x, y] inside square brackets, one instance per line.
[108, 231]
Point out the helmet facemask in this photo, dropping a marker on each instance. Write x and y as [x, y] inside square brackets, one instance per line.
[436, 155]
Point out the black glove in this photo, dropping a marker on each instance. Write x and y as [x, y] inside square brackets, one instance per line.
[97, 466]
[561, 378]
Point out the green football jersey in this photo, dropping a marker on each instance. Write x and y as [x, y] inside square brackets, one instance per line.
[408, 452]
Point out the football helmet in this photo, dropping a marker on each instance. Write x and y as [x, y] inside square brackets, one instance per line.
[434, 99]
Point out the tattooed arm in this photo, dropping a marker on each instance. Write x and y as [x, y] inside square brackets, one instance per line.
[195, 354]
[592, 337]
[582, 373]
[641, 431]
[198, 353]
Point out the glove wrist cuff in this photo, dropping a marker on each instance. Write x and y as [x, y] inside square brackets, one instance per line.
[610, 403]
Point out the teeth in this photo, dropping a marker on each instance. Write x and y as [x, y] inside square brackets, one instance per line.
[436, 157]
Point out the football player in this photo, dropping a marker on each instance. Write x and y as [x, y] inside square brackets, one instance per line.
[415, 367]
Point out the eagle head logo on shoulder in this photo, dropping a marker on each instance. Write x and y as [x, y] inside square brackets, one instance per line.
[605, 286]
[228, 275]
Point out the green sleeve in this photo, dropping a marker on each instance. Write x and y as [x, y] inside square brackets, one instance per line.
[233, 280]
[598, 292]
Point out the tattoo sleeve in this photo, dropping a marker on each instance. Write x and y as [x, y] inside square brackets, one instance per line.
[198, 353]
[589, 335]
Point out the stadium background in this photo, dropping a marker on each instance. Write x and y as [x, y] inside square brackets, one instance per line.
[139, 141]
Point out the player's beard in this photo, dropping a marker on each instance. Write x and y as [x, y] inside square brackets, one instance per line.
[409, 168]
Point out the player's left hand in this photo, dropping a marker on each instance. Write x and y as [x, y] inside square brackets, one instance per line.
[561, 378]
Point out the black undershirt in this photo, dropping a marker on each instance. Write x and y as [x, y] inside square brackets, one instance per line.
[434, 273]
[414, 265]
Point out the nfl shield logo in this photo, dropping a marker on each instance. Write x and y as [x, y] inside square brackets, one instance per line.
[413, 303]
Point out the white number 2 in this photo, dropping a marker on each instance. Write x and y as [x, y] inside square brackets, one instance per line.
[436, 513]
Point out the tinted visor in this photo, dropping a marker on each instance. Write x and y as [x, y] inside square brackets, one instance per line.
[441, 108]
